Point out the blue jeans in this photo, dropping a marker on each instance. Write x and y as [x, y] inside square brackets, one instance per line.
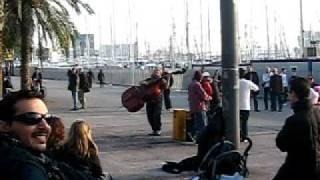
[200, 120]
[74, 98]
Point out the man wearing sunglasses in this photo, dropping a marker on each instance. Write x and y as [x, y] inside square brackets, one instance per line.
[24, 132]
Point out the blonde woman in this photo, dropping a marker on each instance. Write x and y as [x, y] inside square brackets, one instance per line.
[80, 150]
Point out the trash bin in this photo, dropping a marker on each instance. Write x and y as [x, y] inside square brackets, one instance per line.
[181, 124]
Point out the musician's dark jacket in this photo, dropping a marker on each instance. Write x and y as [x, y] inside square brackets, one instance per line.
[162, 84]
[297, 139]
[168, 76]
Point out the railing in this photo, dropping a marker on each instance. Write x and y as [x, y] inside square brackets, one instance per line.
[125, 77]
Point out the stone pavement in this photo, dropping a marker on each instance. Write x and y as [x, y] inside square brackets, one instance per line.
[128, 153]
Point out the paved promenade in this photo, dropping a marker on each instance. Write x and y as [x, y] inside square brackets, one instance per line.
[128, 153]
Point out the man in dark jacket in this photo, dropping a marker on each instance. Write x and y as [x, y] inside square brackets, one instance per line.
[154, 102]
[24, 133]
[91, 77]
[83, 88]
[37, 79]
[276, 89]
[253, 76]
[299, 136]
[73, 86]
[101, 78]
[166, 92]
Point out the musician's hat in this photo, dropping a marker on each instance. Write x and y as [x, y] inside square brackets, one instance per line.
[206, 74]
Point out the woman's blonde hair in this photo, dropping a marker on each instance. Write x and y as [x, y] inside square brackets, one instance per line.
[80, 140]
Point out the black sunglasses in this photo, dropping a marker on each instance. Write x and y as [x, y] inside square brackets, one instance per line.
[32, 118]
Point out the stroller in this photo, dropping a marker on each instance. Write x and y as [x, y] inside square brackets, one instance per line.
[222, 160]
[215, 156]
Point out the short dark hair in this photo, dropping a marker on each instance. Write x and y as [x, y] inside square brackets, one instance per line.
[242, 73]
[301, 87]
[197, 75]
[7, 109]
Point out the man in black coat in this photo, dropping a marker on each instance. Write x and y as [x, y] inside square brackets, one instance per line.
[299, 136]
[37, 79]
[24, 132]
[154, 102]
[91, 77]
[166, 92]
[276, 89]
[83, 88]
[253, 76]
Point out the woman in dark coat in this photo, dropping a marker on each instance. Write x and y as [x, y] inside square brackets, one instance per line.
[298, 136]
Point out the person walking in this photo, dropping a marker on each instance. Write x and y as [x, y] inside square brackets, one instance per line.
[101, 78]
[276, 89]
[91, 78]
[73, 86]
[299, 136]
[198, 99]
[246, 87]
[37, 79]
[83, 88]
[253, 76]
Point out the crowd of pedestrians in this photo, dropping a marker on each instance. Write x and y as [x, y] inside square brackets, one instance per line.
[80, 83]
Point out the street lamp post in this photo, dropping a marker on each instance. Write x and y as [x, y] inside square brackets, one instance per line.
[230, 75]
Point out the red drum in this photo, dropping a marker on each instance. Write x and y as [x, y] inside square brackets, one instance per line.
[132, 99]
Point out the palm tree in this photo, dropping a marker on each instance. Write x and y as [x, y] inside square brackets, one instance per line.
[54, 23]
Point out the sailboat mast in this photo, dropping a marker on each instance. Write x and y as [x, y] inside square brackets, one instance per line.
[113, 31]
[137, 44]
[111, 40]
[302, 30]
[130, 32]
[267, 27]
[187, 34]
[209, 35]
[100, 38]
[201, 31]
[172, 43]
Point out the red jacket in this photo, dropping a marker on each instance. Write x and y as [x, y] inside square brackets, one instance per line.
[197, 97]
[207, 87]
